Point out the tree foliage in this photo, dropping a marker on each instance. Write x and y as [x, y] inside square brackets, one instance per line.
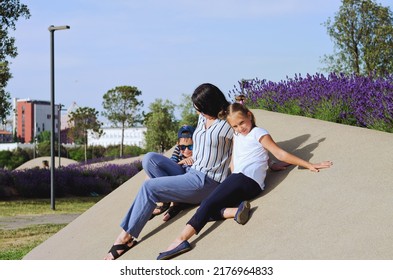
[82, 120]
[10, 12]
[12, 160]
[44, 136]
[122, 108]
[161, 126]
[362, 32]
[188, 113]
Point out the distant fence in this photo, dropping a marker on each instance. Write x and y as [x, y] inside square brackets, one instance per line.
[14, 146]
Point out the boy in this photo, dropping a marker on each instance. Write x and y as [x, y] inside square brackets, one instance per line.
[181, 155]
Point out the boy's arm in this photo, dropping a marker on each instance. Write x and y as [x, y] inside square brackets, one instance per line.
[176, 154]
[186, 161]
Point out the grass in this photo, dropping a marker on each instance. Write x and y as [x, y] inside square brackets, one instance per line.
[16, 243]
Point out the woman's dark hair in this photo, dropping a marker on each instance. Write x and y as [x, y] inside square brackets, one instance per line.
[209, 99]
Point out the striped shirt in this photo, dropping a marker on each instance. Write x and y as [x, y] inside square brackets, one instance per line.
[212, 148]
[176, 155]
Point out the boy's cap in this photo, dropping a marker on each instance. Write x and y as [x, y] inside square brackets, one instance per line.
[186, 131]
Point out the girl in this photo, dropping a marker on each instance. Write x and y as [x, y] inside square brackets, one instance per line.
[250, 162]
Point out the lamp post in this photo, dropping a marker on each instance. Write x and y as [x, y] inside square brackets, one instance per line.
[52, 30]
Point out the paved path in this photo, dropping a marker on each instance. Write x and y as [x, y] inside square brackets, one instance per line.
[25, 221]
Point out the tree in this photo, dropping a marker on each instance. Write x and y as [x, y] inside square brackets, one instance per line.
[5, 105]
[122, 108]
[10, 12]
[362, 32]
[44, 136]
[161, 126]
[81, 120]
[188, 112]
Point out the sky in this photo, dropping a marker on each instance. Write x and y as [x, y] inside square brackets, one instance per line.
[165, 48]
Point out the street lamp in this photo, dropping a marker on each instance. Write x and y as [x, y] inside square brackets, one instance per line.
[52, 30]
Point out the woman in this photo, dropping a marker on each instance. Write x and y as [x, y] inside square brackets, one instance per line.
[169, 182]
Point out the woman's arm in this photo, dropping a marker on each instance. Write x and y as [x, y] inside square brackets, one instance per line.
[283, 155]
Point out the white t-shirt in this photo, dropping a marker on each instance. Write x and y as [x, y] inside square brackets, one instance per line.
[249, 156]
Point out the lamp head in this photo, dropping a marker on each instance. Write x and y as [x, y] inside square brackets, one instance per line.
[61, 27]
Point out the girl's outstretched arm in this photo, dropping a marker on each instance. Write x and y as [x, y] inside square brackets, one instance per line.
[269, 144]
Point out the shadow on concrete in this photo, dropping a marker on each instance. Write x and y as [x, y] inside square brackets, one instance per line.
[166, 224]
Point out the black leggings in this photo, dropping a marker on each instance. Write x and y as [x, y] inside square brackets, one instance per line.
[230, 193]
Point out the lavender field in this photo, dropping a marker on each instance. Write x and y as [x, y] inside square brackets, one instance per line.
[353, 100]
[72, 180]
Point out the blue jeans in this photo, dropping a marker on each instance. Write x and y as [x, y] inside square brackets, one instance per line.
[168, 183]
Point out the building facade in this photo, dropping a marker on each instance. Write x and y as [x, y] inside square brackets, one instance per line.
[5, 136]
[32, 117]
[134, 136]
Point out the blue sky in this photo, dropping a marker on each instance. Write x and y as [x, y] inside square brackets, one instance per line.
[166, 48]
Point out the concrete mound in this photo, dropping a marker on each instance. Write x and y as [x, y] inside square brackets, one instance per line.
[344, 212]
[40, 162]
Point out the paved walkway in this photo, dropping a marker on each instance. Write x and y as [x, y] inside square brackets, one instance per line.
[344, 212]
[25, 221]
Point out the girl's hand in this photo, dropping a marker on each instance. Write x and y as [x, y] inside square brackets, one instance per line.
[324, 164]
[187, 161]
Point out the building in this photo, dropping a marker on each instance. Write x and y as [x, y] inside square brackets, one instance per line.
[134, 136]
[32, 117]
[5, 136]
[65, 118]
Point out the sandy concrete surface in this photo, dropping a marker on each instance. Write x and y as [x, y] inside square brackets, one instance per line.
[344, 212]
[38, 162]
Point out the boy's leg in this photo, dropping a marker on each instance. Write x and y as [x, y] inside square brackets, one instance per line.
[157, 165]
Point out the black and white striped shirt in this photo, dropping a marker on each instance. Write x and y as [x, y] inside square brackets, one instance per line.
[212, 148]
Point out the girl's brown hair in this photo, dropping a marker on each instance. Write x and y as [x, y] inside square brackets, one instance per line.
[235, 108]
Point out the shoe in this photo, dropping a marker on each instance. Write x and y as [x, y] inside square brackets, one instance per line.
[243, 213]
[125, 247]
[180, 249]
[174, 210]
[161, 209]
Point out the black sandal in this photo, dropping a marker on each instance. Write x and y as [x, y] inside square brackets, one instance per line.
[162, 209]
[123, 247]
[174, 210]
